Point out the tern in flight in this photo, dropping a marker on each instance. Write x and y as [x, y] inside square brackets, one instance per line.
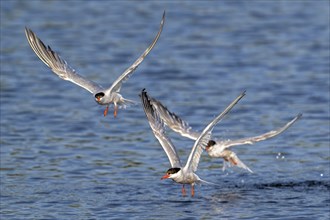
[215, 148]
[181, 174]
[103, 96]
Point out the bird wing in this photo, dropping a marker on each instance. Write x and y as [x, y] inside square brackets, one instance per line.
[116, 85]
[202, 140]
[58, 65]
[158, 129]
[252, 140]
[173, 121]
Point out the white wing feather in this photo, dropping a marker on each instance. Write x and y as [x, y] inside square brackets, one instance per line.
[173, 121]
[116, 85]
[158, 129]
[58, 65]
[201, 142]
[252, 140]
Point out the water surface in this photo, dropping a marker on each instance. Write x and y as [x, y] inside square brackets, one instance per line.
[61, 159]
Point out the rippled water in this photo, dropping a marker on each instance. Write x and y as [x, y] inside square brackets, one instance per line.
[61, 159]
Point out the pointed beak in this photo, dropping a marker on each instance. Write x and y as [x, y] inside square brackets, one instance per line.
[98, 99]
[165, 176]
[207, 147]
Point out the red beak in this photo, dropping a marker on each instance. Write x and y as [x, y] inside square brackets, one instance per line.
[165, 176]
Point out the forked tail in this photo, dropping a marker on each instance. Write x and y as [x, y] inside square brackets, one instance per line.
[200, 181]
[127, 102]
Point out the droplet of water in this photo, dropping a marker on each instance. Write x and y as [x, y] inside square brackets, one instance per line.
[321, 174]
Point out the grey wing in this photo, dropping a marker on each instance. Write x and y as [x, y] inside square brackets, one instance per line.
[202, 140]
[173, 121]
[58, 65]
[116, 85]
[252, 140]
[158, 129]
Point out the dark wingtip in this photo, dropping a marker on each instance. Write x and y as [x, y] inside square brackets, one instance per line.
[144, 95]
[163, 17]
[147, 106]
[27, 31]
[142, 91]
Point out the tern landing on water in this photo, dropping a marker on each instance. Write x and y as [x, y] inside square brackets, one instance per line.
[177, 172]
[215, 148]
[103, 96]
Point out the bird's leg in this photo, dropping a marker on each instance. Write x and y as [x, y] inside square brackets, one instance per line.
[115, 112]
[183, 191]
[233, 161]
[106, 111]
[192, 191]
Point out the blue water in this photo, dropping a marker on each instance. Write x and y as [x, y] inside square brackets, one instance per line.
[61, 159]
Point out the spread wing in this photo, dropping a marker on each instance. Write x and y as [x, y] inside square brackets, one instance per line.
[58, 65]
[173, 121]
[158, 129]
[252, 140]
[202, 140]
[129, 71]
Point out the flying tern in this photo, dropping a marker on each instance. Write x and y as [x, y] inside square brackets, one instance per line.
[179, 173]
[215, 148]
[103, 96]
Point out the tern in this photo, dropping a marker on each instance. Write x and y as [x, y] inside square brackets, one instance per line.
[177, 172]
[103, 96]
[215, 148]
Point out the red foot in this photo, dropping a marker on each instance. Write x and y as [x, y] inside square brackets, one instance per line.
[115, 112]
[183, 190]
[106, 111]
[233, 161]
